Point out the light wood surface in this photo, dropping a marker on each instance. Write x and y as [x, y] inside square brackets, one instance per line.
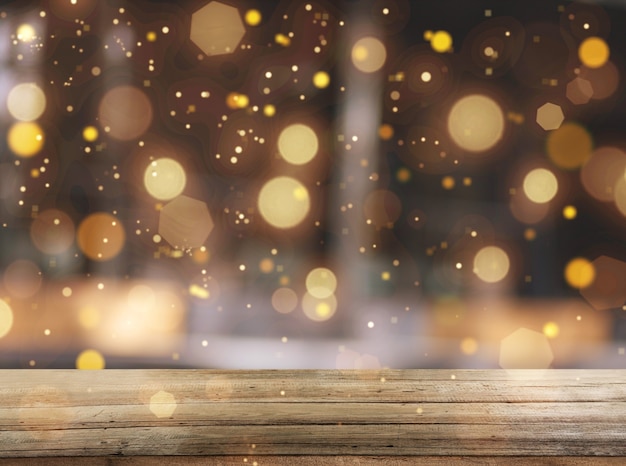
[312, 417]
[291, 460]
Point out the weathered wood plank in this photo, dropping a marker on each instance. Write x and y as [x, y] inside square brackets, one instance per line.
[314, 461]
[358, 413]
[317, 386]
[325, 413]
[383, 439]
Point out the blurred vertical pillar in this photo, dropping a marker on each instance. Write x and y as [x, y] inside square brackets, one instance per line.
[22, 41]
[360, 117]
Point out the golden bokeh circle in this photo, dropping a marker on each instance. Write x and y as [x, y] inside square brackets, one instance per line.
[100, 236]
[90, 359]
[491, 264]
[368, 54]
[569, 146]
[319, 309]
[25, 139]
[593, 52]
[284, 202]
[26, 102]
[298, 144]
[579, 273]
[164, 179]
[321, 282]
[540, 185]
[440, 41]
[476, 123]
[253, 17]
[321, 79]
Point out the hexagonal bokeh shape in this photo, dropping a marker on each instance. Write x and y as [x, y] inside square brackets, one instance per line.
[185, 222]
[162, 404]
[525, 349]
[579, 91]
[608, 290]
[550, 116]
[216, 28]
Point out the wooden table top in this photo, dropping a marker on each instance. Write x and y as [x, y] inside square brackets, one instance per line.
[137, 417]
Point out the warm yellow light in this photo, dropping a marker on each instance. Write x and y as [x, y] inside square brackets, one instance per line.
[25, 139]
[151, 36]
[141, 297]
[297, 144]
[321, 282]
[403, 175]
[540, 185]
[385, 132]
[469, 346]
[6, 318]
[441, 41]
[89, 317]
[491, 264]
[90, 133]
[26, 102]
[164, 179]
[26, 33]
[284, 202]
[266, 265]
[569, 146]
[569, 212]
[530, 234]
[199, 291]
[525, 349]
[319, 309]
[593, 52]
[100, 236]
[368, 54]
[253, 17]
[476, 123]
[551, 329]
[321, 79]
[235, 100]
[166, 314]
[200, 255]
[90, 359]
[269, 110]
[282, 39]
[579, 273]
[447, 182]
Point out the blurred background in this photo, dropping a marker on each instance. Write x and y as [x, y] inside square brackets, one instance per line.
[288, 184]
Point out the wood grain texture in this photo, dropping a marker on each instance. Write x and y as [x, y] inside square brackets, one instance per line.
[274, 417]
[313, 461]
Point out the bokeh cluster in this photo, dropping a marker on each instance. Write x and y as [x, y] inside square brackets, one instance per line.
[312, 184]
